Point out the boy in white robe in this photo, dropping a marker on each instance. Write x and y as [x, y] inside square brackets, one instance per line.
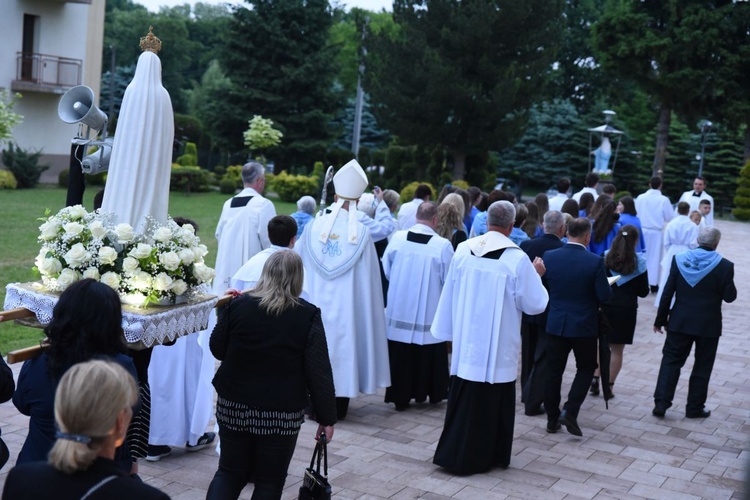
[490, 283]
[416, 263]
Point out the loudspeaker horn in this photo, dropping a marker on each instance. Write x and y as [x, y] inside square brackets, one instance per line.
[98, 161]
[77, 105]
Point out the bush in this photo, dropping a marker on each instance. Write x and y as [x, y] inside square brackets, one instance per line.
[219, 171]
[99, 179]
[190, 158]
[7, 180]
[190, 180]
[270, 179]
[460, 184]
[62, 178]
[23, 165]
[234, 173]
[291, 188]
[227, 186]
[742, 198]
[620, 194]
[407, 193]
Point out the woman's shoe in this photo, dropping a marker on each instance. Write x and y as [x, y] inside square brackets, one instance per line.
[594, 390]
[608, 391]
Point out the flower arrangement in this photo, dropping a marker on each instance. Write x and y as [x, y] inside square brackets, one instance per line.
[160, 266]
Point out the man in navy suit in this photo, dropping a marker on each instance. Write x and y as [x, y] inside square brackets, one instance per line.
[533, 334]
[577, 282]
[700, 280]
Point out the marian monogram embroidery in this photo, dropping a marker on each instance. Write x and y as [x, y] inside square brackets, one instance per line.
[332, 248]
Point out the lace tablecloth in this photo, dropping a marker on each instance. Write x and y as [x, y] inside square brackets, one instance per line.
[147, 326]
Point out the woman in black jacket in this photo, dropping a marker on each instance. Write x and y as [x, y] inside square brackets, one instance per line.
[274, 354]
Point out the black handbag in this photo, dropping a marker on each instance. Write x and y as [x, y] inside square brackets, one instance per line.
[315, 486]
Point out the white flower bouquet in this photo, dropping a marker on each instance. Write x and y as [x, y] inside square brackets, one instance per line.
[159, 267]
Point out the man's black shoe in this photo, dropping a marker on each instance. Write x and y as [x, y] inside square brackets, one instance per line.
[698, 414]
[658, 411]
[539, 410]
[570, 423]
[553, 426]
[654, 288]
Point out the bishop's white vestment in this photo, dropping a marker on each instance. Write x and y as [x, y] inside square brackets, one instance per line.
[344, 282]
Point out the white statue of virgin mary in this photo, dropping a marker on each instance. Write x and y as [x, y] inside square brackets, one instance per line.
[141, 161]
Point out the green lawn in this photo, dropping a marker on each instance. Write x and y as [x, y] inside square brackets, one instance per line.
[20, 209]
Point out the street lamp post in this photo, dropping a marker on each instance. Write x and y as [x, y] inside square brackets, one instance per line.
[704, 131]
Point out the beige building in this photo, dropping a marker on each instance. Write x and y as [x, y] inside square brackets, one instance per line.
[48, 47]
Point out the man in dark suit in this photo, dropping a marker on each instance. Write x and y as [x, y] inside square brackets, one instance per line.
[700, 279]
[577, 282]
[533, 339]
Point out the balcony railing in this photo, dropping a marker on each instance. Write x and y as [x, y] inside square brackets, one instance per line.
[46, 73]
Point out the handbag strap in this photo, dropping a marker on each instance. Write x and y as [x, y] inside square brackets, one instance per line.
[321, 453]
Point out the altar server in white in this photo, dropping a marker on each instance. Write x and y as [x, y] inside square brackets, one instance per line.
[680, 236]
[694, 197]
[490, 283]
[341, 268]
[408, 212]
[416, 263]
[655, 211]
[141, 160]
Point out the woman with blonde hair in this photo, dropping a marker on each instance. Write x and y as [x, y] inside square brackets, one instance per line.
[93, 407]
[273, 350]
[450, 219]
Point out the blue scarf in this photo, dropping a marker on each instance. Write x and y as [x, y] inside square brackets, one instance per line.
[640, 269]
[694, 265]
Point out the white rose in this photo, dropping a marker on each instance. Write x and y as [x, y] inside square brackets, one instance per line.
[49, 266]
[67, 277]
[163, 234]
[203, 273]
[111, 279]
[77, 212]
[186, 256]
[77, 256]
[200, 251]
[124, 233]
[141, 281]
[97, 229]
[179, 287]
[49, 230]
[141, 251]
[129, 264]
[73, 228]
[162, 282]
[169, 260]
[107, 255]
[92, 273]
[188, 228]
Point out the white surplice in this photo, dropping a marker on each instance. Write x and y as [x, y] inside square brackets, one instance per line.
[481, 305]
[416, 273]
[141, 160]
[344, 282]
[556, 202]
[681, 235]
[249, 274]
[591, 190]
[655, 211]
[694, 202]
[407, 214]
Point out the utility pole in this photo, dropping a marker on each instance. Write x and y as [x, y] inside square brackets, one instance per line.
[360, 97]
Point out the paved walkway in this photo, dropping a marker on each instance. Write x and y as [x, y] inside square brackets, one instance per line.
[624, 452]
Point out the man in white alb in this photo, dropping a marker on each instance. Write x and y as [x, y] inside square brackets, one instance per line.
[341, 269]
[408, 211]
[556, 202]
[416, 264]
[694, 197]
[592, 181]
[655, 211]
[490, 283]
[282, 233]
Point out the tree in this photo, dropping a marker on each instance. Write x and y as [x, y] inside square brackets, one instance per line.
[261, 135]
[669, 48]
[281, 67]
[207, 101]
[8, 118]
[462, 74]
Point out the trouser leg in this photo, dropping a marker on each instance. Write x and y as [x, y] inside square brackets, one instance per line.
[705, 354]
[558, 349]
[236, 464]
[674, 353]
[585, 352]
[342, 408]
[272, 457]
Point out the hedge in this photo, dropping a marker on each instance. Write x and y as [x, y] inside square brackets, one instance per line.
[7, 180]
[291, 188]
[190, 179]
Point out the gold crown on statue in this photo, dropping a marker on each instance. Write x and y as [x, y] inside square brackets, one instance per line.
[150, 42]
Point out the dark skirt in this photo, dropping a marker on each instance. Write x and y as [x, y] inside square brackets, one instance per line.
[622, 323]
[417, 372]
[478, 431]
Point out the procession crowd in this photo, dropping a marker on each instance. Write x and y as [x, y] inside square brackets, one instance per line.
[446, 300]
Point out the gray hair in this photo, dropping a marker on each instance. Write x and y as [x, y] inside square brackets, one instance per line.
[553, 221]
[251, 172]
[391, 198]
[306, 204]
[709, 236]
[501, 213]
[280, 283]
